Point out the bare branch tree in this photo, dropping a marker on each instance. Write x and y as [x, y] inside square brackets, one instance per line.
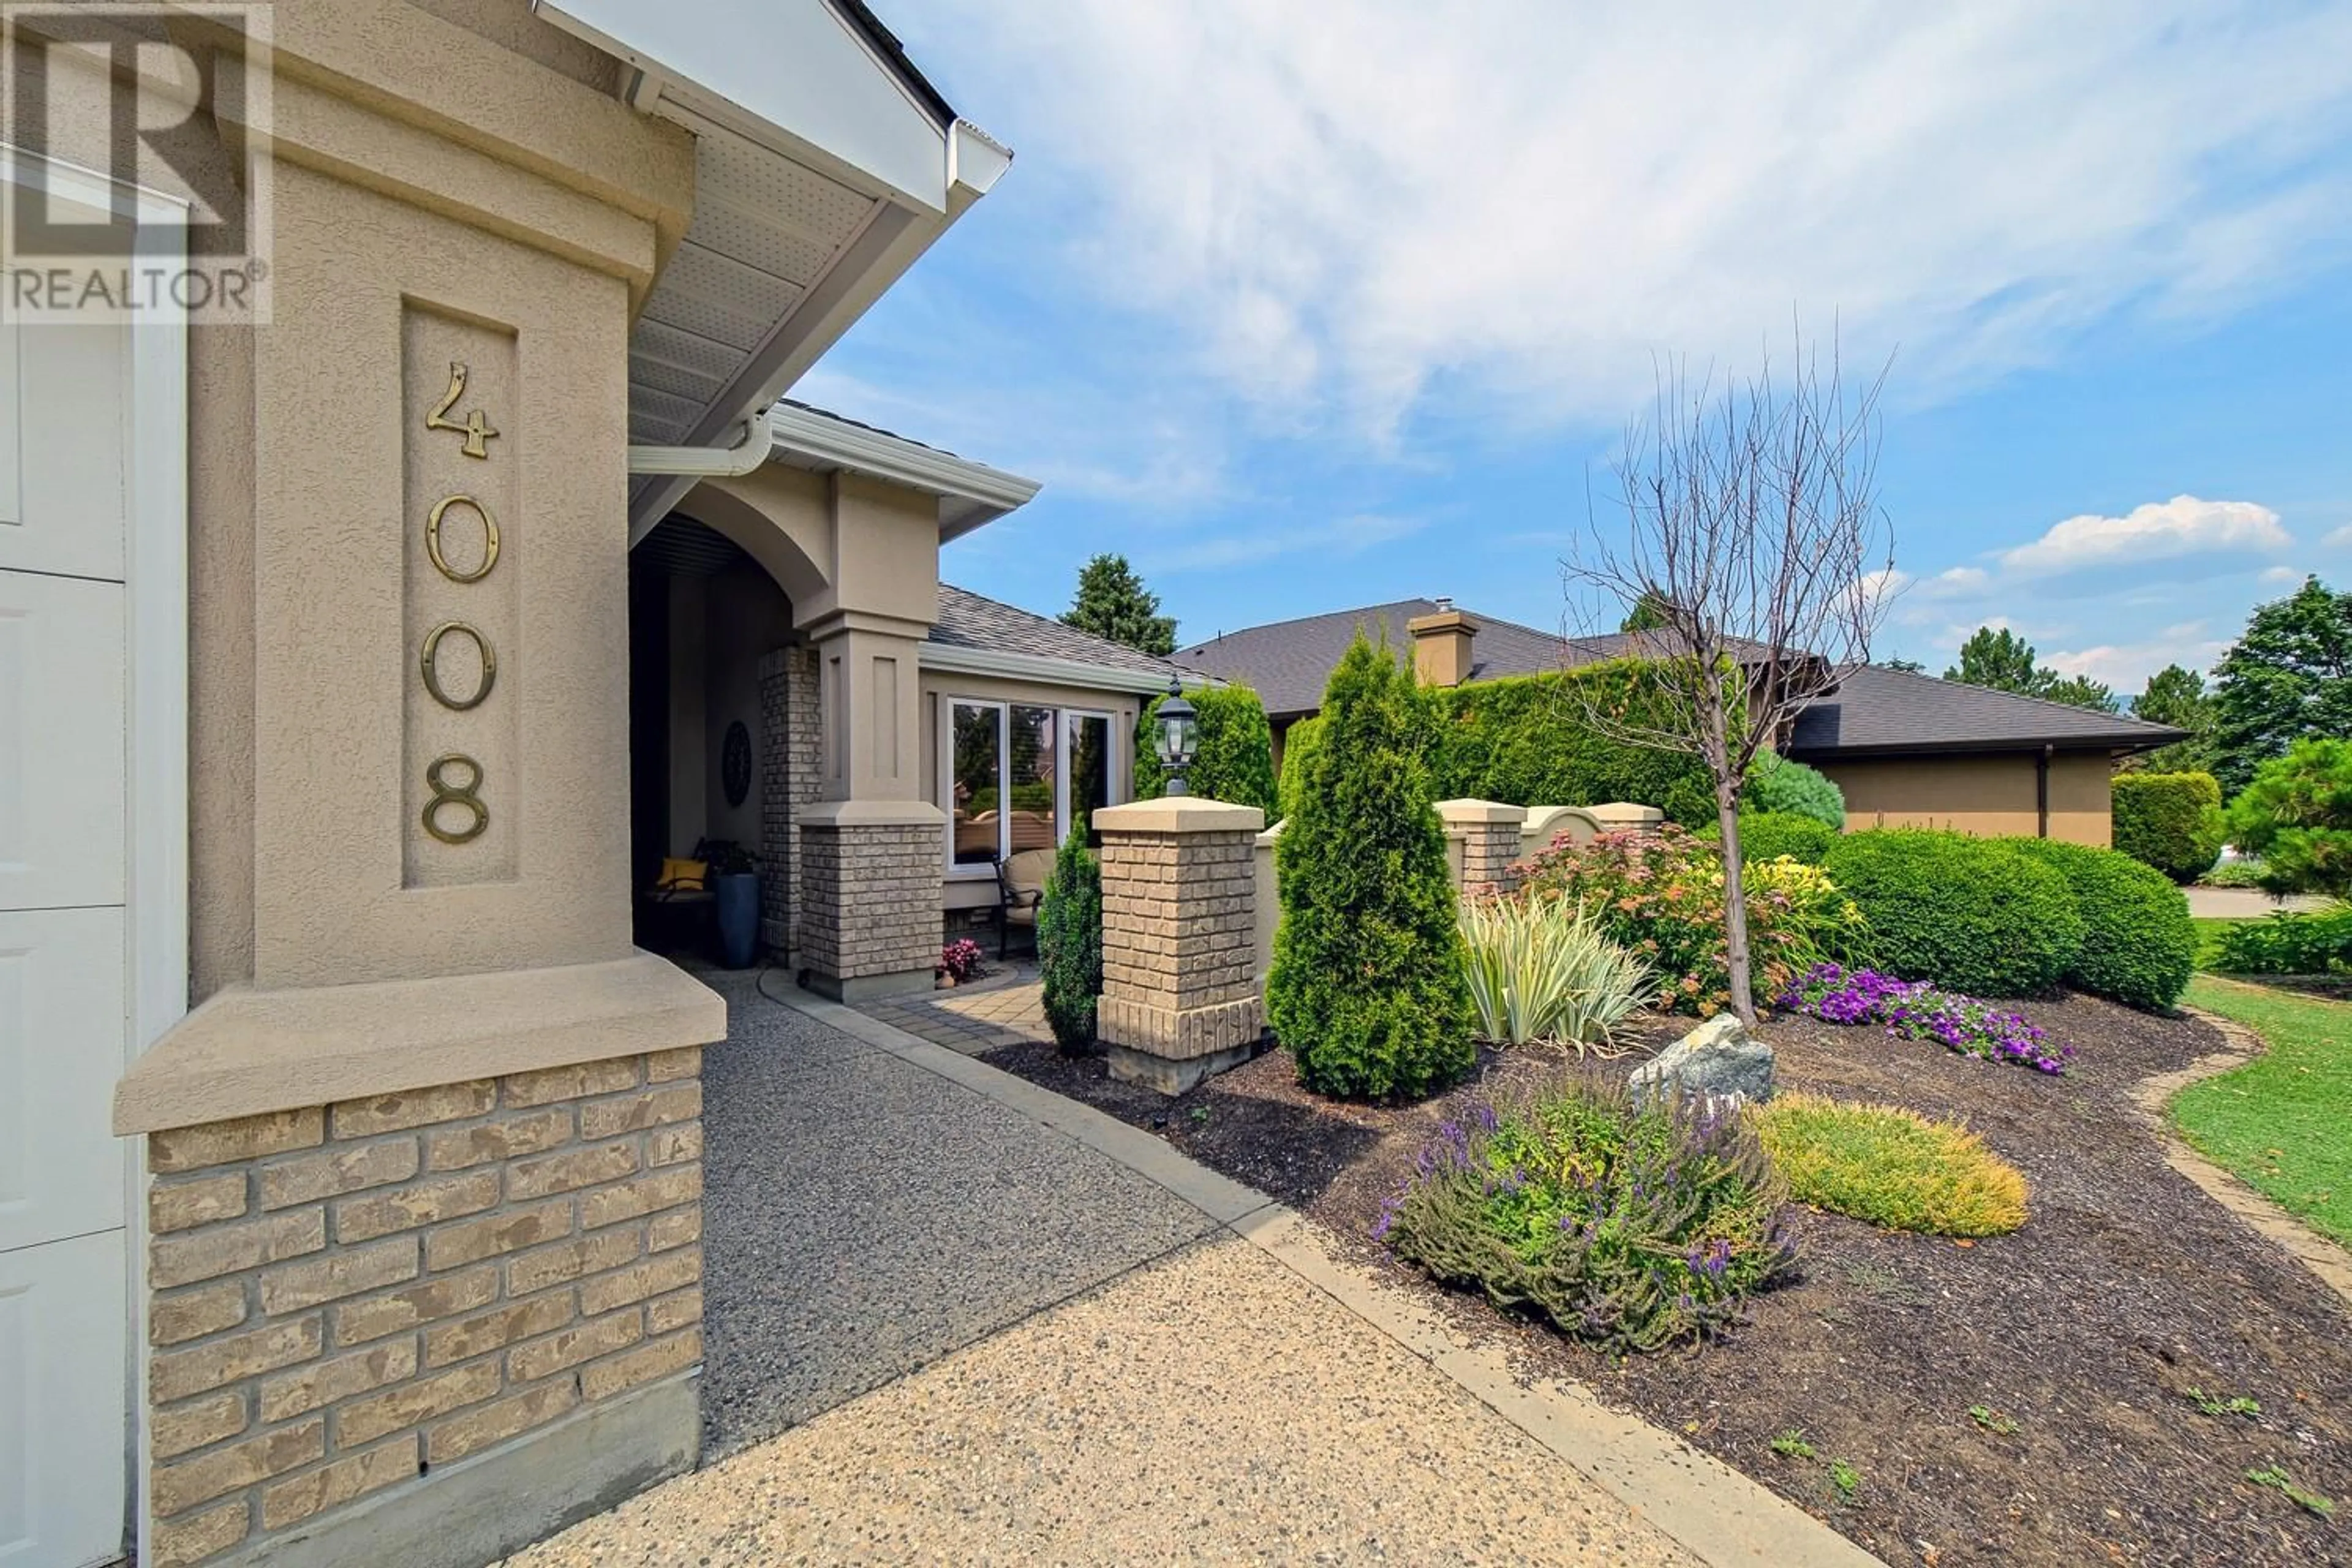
[1755, 560]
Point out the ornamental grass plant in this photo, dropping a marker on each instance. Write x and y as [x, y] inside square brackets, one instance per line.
[1632, 1228]
[1540, 972]
[1890, 1167]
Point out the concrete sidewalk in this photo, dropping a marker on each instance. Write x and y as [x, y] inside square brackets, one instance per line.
[985, 1324]
[2246, 903]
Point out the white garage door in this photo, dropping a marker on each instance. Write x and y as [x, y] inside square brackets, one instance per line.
[68, 482]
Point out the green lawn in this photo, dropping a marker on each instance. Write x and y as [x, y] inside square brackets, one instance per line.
[2283, 1122]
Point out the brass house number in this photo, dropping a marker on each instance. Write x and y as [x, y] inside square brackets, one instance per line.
[454, 778]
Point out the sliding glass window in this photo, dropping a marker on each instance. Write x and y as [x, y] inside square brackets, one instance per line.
[1018, 775]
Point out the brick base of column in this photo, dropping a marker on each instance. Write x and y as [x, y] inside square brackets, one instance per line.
[1171, 1049]
[1482, 844]
[428, 1326]
[869, 905]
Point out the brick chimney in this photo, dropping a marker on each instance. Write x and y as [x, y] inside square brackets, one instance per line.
[1441, 644]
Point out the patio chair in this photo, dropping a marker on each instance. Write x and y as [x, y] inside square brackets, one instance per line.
[1020, 889]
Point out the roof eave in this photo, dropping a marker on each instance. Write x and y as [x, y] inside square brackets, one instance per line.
[959, 660]
[971, 494]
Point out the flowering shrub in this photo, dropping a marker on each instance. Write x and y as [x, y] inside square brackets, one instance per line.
[1659, 895]
[1914, 1010]
[960, 960]
[1629, 1227]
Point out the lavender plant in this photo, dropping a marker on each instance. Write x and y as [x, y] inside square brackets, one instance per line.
[1914, 1010]
[1629, 1228]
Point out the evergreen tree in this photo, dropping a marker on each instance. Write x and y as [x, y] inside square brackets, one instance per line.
[1367, 991]
[1648, 614]
[2297, 816]
[2176, 695]
[1070, 943]
[1235, 756]
[2006, 662]
[1113, 603]
[2289, 676]
[1906, 665]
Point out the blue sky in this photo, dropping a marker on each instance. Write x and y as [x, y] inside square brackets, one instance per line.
[1302, 307]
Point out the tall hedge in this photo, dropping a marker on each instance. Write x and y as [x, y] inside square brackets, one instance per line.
[1523, 741]
[1301, 744]
[1768, 834]
[1070, 943]
[1367, 991]
[2139, 946]
[1974, 915]
[2169, 821]
[1235, 759]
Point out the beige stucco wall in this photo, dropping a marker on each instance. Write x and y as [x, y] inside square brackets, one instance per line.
[1989, 795]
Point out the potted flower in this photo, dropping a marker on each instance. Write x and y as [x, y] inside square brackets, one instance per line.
[959, 962]
[735, 895]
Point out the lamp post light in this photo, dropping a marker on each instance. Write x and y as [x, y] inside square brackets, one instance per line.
[1179, 735]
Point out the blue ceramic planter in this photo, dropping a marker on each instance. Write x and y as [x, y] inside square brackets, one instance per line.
[737, 900]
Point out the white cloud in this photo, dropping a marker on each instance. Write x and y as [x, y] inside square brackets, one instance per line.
[1331, 209]
[2157, 530]
[2126, 666]
[1347, 537]
[2341, 539]
[2280, 575]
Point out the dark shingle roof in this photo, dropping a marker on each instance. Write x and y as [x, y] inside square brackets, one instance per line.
[975, 620]
[1885, 710]
[1290, 662]
[1893, 711]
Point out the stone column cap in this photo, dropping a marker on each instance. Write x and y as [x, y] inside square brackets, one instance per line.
[870, 813]
[1625, 812]
[1180, 813]
[1463, 812]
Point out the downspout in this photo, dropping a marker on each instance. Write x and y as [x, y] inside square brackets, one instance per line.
[2041, 790]
[711, 462]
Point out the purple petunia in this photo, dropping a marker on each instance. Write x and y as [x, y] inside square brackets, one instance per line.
[1916, 1010]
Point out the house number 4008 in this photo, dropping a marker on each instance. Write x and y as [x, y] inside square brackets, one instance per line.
[452, 798]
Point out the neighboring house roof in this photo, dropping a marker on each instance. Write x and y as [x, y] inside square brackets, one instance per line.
[1885, 710]
[985, 636]
[1876, 711]
[1289, 662]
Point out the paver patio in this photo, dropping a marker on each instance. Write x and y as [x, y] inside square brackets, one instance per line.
[954, 1317]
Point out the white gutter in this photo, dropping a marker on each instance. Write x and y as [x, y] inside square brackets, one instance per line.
[959, 660]
[815, 438]
[749, 451]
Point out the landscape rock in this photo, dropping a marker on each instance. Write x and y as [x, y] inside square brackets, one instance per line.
[1720, 1060]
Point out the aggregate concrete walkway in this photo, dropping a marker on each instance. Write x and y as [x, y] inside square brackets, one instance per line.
[987, 1324]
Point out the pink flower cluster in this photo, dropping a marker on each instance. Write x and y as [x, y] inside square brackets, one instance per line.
[1914, 1010]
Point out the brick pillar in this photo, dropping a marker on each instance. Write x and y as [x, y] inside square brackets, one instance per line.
[348, 1297]
[789, 782]
[1482, 844]
[869, 910]
[1181, 996]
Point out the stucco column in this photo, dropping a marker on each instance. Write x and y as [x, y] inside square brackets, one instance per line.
[424, 1166]
[1482, 844]
[1624, 816]
[1181, 996]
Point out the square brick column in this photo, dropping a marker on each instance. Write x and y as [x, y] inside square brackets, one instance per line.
[1181, 996]
[790, 767]
[869, 906]
[1482, 844]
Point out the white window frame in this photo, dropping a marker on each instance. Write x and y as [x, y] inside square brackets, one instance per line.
[1063, 741]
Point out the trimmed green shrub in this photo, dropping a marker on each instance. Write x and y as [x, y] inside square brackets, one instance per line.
[1070, 943]
[1300, 745]
[1367, 991]
[1779, 785]
[2139, 946]
[2169, 821]
[1629, 1227]
[1768, 834]
[2284, 944]
[1235, 757]
[1523, 741]
[2297, 816]
[1891, 1167]
[1974, 915]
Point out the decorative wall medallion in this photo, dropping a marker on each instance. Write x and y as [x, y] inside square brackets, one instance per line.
[735, 763]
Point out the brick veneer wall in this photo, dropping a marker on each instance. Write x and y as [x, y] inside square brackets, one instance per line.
[870, 897]
[789, 741]
[347, 1294]
[1179, 943]
[1489, 850]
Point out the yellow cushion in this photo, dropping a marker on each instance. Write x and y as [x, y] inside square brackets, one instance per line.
[683, 876]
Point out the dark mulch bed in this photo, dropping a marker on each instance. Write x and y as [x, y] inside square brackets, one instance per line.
[2127, 1288]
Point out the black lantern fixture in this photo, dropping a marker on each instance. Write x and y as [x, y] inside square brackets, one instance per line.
[1179, 735]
